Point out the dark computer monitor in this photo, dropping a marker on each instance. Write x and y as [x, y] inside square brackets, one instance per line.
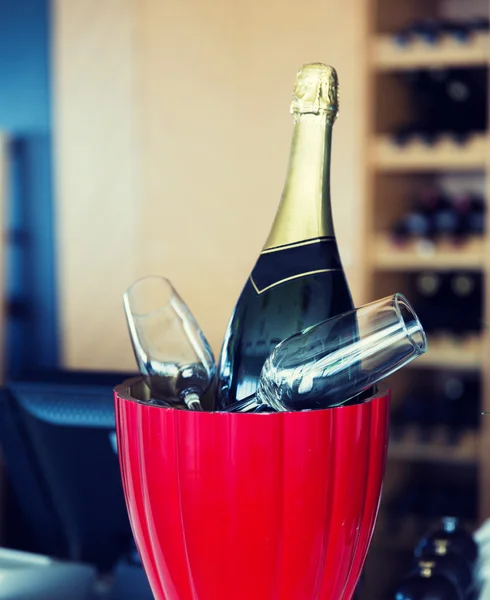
[57, 436]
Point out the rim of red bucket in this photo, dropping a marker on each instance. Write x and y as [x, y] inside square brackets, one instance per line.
[124, 389]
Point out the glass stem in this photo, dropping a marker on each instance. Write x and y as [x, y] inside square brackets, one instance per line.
[192, 401]
[246, 405]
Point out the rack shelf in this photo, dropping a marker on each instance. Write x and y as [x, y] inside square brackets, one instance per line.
[447, 353]
[416, 255]
[416, 156]
[403, 534]
[465, 452]
[448, 52]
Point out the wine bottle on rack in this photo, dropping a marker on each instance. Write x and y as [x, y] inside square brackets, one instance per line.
[474, 221]
[425, 583]
[428, 199]
[451, 566]
[462, 31]
[426, 30]
[470, 213]
[463, 204]
[430, 305]
[298, 279]
[405, 134]
[452, 537]
[447, 222]
[422, 88]
[467, 303]
[403, 36]
[465, 102]
[418, 223]
[430, 30]
[458, 30]
[445, 101]
[413, 225]
[469, 406]
[479, 25]
[447, 407]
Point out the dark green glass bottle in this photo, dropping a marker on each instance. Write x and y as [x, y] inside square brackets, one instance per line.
[298, 278]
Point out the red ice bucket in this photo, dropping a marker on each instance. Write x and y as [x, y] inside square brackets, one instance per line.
[230, 506]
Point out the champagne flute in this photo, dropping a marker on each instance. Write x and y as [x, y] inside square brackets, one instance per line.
[330, 363]
[171, 351]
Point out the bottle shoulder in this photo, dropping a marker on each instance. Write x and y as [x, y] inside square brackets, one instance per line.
[279, 265]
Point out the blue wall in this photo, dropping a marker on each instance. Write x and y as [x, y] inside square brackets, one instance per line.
[25, 114]
[24, 66]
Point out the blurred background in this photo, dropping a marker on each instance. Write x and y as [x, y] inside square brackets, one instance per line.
[147, 137]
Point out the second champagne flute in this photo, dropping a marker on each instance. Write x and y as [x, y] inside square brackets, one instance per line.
[170, 348]
[326, 365]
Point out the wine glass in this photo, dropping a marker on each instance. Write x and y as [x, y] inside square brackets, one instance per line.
[171, 350]
[326, 365]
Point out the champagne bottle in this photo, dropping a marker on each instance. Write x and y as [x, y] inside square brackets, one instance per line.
[298, 278]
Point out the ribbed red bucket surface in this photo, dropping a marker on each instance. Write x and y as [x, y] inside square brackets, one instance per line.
[252, 506]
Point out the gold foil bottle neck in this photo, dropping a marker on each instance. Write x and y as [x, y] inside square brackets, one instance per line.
[316, 92]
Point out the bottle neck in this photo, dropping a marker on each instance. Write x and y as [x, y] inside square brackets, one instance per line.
[304, 212]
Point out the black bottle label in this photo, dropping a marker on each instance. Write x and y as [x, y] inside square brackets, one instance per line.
[291, 261]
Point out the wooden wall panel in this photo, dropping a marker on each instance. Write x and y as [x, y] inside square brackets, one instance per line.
[215, 81]
[208, 105]
[95, 165]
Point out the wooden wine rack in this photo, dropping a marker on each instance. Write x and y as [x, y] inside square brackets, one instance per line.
[465, 452]
[446, 53]
[391, 175]
[447, 353]
[413, 257]
[417, 157]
